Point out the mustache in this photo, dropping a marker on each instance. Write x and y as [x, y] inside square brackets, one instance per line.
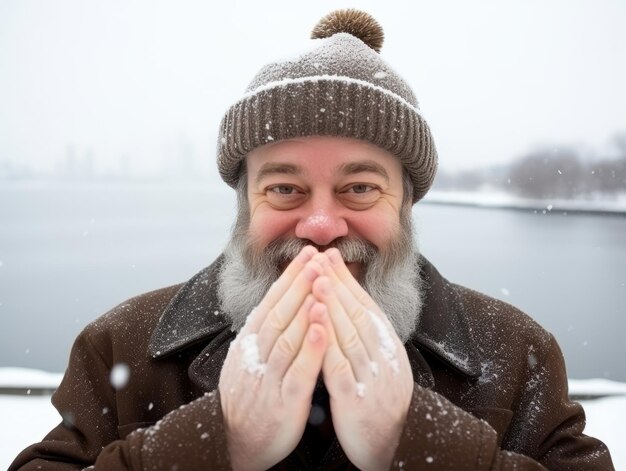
[352, 249]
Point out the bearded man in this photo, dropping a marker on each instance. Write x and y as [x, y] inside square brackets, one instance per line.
[321, 338]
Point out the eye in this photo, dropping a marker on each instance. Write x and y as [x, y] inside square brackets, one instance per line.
[282, 189]
[283, 196]
[360, 188]
[360, 196]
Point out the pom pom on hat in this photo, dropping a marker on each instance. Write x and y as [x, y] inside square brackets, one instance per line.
[355, 22]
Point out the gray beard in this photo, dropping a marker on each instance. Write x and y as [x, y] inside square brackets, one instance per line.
[391, 276]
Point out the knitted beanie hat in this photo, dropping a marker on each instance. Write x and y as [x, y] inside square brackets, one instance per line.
[342, 88]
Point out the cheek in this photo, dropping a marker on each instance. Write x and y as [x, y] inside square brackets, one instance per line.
[376, 227]
[269, 225]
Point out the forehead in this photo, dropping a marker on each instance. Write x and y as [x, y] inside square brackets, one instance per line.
[322, 155]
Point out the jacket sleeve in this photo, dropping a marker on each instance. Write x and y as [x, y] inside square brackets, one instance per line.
[190, 437]
[545, 432]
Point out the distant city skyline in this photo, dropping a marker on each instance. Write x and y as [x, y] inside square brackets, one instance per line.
[139, 87]
[84, 163]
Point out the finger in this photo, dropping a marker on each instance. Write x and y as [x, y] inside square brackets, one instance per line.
[338, 374]
[280, 316]
[278, 289]
[377, 333]
[361, 296]
[285, 348]
[301, 377]
[347, 334]
[343, 273]
[359, 314]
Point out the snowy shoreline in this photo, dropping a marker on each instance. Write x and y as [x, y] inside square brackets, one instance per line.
[501, 200]
[32, 416]
[26, 382]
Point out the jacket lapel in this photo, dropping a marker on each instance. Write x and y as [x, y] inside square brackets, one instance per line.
[443, 328]
[205, 370]
[193, 316]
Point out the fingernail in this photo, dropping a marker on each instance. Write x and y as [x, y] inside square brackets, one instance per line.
[307, 253]
[322, 259]
[314, 335]
[318, 313]
[334, 255]
[312, 270]
[323, 313]
[324, 286]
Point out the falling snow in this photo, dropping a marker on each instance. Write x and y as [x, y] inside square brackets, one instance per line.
[120, 374]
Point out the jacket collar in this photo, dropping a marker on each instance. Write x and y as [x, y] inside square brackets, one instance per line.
[443, 328]
[193, 316]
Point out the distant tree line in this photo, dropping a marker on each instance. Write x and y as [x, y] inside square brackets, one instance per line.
[560, 172]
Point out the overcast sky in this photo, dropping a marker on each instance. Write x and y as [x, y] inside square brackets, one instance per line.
[141, 80]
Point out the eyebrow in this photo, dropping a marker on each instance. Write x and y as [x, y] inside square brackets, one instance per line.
[364, 166]
[350, 168]
[277, 168]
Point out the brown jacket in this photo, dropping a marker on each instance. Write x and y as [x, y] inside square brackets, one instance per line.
[490, 391]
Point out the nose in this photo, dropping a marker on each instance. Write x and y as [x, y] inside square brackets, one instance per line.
[321, 226]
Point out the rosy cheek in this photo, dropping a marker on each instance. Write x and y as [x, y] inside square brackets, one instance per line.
[376, 228]
[268, 226]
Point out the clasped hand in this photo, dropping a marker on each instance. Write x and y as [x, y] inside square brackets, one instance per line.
[315, 317]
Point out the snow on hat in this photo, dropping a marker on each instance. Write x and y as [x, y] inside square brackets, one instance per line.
[342, 88]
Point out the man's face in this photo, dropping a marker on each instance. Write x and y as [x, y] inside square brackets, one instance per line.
[327, 192]
[322, 189]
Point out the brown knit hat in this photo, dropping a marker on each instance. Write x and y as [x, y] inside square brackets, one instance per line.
[340, 88]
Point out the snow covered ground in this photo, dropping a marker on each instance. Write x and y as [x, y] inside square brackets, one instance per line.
[490, 198]
[31, 417]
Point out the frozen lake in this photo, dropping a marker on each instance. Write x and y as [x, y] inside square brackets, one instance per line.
[69, 252]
